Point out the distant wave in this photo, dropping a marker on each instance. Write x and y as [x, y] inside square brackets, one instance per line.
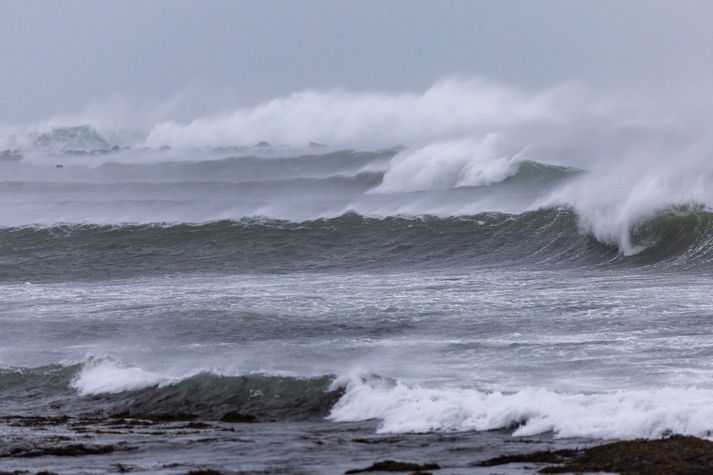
[82, 138]
[677, 238]
[360, 181]
[349, 242]
[456, 178]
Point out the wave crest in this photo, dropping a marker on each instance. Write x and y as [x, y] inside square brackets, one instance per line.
[447, 165]
[397, 406]
[677, 238]
[401, 408]
[115, 390]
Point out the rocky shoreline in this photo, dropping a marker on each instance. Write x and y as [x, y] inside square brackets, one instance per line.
[674, 455]
[679, 455]
[115, 445]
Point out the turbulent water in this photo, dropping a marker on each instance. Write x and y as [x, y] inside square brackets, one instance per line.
[297, 296]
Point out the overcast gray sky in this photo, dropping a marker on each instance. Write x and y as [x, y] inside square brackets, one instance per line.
[59, 56]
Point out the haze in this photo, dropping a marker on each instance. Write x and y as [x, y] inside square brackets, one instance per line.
[59, 57]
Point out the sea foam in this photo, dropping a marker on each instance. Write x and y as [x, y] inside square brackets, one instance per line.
[404, 408]
[448, 165]
[105, 376]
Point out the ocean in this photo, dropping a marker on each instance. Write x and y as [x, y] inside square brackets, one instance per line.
[168, 307]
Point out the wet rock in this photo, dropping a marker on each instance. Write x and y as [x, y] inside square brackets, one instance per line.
[171, 417]
[207, 471]
[235, 416]
[546, 456]
[677, 455]
[36, 421]
[394, 466]
[376, 440]
[72, 450]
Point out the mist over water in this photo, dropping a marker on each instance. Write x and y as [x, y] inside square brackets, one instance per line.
[471, 257]
[268, 237]
[455, 149]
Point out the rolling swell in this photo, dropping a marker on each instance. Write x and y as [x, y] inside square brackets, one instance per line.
[680, 235]
[396, 406]
[206, 396]
[546, 237]
[348, 242]
[228, 398]
[130, 190]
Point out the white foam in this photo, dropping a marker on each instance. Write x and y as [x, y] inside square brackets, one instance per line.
[450, 108]
[447, 165]
[402, 408]
[623, 193]
[105, 376]
[640, 156]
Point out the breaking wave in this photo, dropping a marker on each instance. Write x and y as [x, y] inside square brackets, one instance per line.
[399, 408]
[556, 175]
[677, 238]
[106, 387]
[116, 390]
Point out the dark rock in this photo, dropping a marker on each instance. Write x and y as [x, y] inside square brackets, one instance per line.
[677, 455]
[263, 143]
[207, 471]
[377, 440]
[535, 457]
[165, 417]
[235, 416]
[36, 421]
[73, 450]
[394, 466]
